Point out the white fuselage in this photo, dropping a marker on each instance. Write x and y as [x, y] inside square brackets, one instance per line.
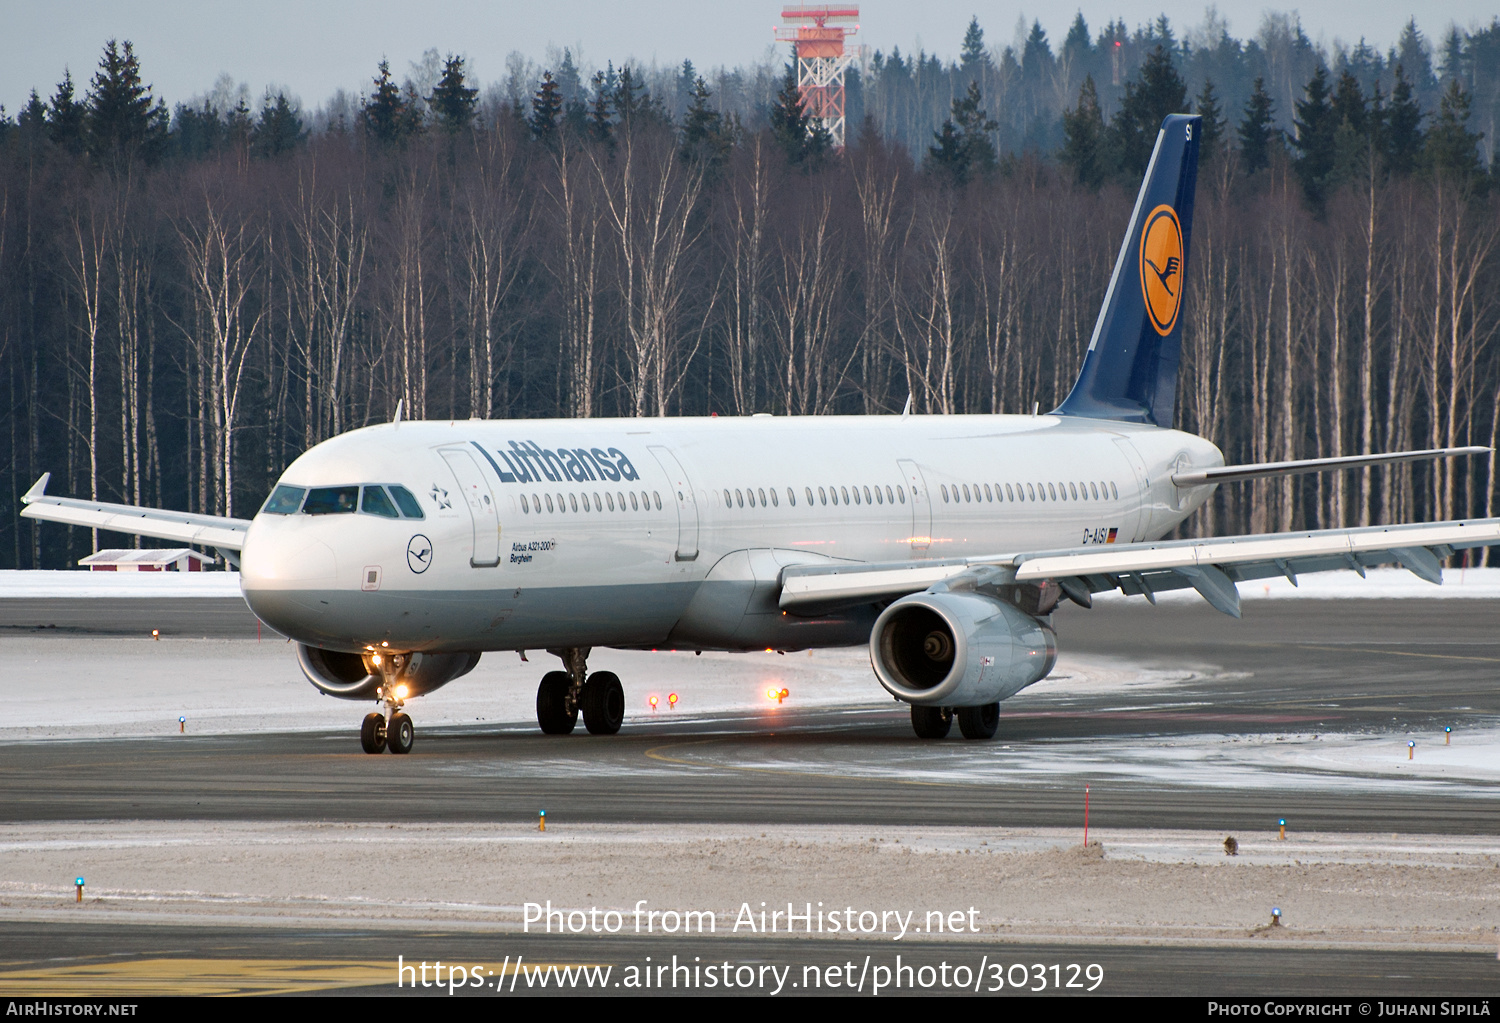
[650, 532]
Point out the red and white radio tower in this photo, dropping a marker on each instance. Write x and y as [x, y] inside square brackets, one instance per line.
[821, 59]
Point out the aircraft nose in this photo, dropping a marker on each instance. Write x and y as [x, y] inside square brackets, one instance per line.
[266, 563]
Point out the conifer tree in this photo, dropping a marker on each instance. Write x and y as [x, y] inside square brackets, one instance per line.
[802, 137]
[452, 101]
[278, 130]
[1315, 138]
[122, 121]
[569, 79]
[1085, 140]
[32, 120]
[65, 117]
[631, 100]
[705, 136]
[1077, 45]
[1348, 105]
[1158, 91]
[601, 127]
[964, 147]
[546, 111]
[1403, 128]
[973, 58]
[1257, 131]
[384, 114]
[1452, 149]
[1211, 133]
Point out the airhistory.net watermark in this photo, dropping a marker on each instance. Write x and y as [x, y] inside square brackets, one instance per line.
[807, 918]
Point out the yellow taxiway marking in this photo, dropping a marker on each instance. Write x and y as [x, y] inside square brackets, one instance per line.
[124, 978]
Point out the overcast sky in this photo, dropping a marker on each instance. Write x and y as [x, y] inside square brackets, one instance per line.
[313, 48]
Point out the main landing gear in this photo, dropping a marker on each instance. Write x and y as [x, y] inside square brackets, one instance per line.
[392, 730]
[980, 722]
[563, 694]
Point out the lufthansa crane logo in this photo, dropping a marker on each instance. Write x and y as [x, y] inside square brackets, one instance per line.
[419, 554]
[1161, 268]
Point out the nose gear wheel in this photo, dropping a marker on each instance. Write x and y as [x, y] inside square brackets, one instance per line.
[372, 733]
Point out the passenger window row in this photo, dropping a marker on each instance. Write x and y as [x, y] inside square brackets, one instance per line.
[581, 502]
[981, 492]
[369, 500]
[857, 494]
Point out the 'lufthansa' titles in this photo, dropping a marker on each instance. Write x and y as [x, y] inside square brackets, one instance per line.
[528, 462]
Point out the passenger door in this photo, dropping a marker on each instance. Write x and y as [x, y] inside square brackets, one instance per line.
[921, 508]
[481, 502]
[687, 505]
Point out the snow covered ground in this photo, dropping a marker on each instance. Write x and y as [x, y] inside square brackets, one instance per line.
[85, 687]
[1022, 884]
[37, 585]
[1330, 761]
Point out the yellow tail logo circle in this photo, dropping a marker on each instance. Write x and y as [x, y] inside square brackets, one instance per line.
[1161, 268]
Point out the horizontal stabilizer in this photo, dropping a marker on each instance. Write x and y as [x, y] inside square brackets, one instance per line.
[1235, 473]
[183, 527]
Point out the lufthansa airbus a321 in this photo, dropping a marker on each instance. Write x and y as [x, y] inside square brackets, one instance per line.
[395, 555]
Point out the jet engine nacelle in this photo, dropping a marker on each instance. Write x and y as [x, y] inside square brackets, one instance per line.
[959, 649]
[355, 677]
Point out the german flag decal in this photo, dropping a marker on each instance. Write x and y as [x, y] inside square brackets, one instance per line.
[1161, 268]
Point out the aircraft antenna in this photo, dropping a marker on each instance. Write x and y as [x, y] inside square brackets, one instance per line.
[821, 59]
[907, 410]
[400, 403]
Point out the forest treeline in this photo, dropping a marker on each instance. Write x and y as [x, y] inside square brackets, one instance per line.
[190, 299]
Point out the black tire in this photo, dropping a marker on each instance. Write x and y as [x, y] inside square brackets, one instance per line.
[372, 733]
[979, 722]
[552, 711]
[603, 703]
[931, 722]
[400, 734]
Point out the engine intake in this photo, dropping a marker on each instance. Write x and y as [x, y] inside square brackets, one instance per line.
[351, 676]
[959, 649]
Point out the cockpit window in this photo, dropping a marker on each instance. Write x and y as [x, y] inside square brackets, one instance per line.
[408, 504]
[375, 502]
[284, 500]
[331, 501]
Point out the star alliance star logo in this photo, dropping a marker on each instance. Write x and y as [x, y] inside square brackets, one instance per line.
[441, 497]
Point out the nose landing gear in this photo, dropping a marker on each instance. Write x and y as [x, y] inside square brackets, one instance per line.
[392, 730]
[562, 694]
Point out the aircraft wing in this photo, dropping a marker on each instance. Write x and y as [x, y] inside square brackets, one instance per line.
[1211, 566]
[207, 530]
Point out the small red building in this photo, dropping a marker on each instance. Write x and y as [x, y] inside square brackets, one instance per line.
[170, 559]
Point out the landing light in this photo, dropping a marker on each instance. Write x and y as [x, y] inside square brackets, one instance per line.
[401, 692]
[375, 658]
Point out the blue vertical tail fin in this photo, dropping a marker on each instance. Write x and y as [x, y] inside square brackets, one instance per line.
[1130, 371]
